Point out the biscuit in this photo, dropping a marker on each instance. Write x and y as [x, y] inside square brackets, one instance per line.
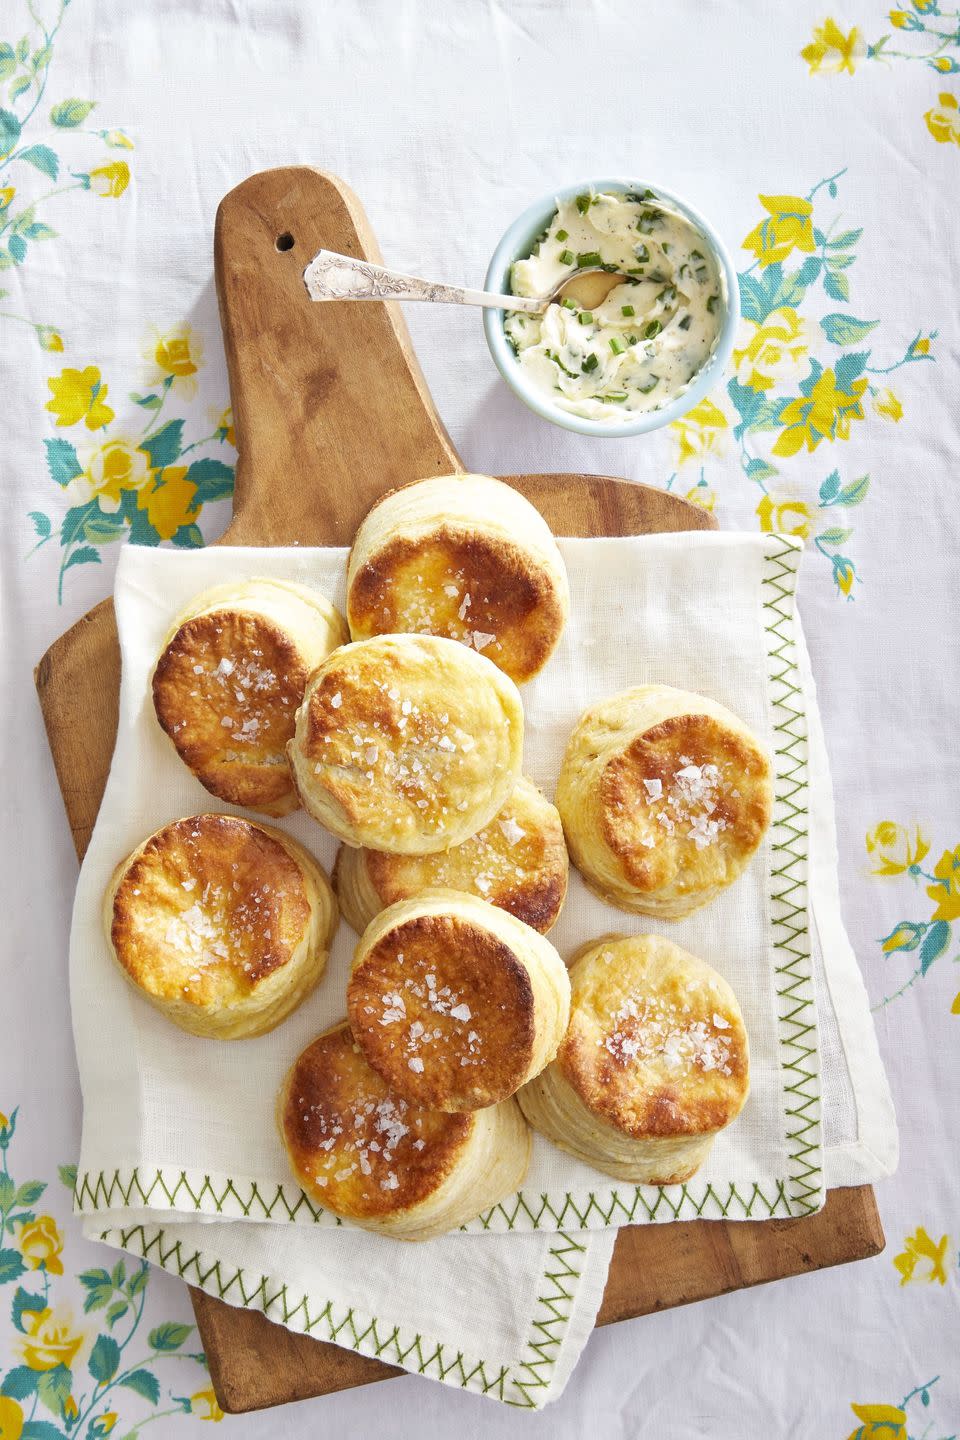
[664, 797]
[224, 925]
[518, 862]
[466, 557]
[454, 1002]
[654, 1063]
[370, 1156]
[229, 679]
[407, 743]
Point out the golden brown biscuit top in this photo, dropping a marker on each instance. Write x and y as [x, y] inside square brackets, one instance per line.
[355, 1145]
[208, 909]
[517, 862]
[409, 716]
[656, 1044]
[446, 1011]
[688, 795]
[229, 682]
[486, 592]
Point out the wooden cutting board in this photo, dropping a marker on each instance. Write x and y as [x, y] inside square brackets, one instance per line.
[331, 409]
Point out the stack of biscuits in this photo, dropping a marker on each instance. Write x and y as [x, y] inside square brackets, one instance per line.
[400, 731]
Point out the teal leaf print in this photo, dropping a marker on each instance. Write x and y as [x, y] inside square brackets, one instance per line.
[188, 537]
[213, 479]
[71, 113]
[163, 446]
[42, 158]
[54, 1387]
[144, 1384]
[834, 537]
[116, 1312]
[843, 329]
[836, 285]
[8, 60]
[100, 528]
[19, 1383]
[830, 488]
[7, 1191]
[855, 492]
[40, 1430]
[935, 942]
[17, 248]
[62, 461]
[169, 1336]
[104, 1359]
[148, 402]
[30, 1193]
[850, 367]
[9, 132]
[99, 1288]
[11, 1266]
[85, 555]
[22, 1301]
[41, 524]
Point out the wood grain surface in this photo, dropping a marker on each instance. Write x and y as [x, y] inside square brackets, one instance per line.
[330, 410]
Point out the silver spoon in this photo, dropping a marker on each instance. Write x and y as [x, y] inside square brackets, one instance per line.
[330, 276]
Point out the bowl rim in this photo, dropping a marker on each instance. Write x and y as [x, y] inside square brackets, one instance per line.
[515, 244]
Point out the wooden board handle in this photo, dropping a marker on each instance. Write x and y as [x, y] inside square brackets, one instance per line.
[345, 422]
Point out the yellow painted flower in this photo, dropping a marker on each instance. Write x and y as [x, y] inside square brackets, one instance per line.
[103, 1424]
[947, 895]
[7, 193]
[899, 18]
[70, 1411]
[886, 1421]
[174, 358]
[825, 412]
[893, 848]
[944, 125]
[225, 429]
[843, 575]
[703, 496]
[50, 1338]
[923, 6]
[110, 181]
[117, 139]
[114, 467]
[41, 1245]
[4, 1120]
[167, 501]
[922, 1260]
[204, 1404]
[80, 395]
[49, 338]
[773, 352]
[700, 432]
[11, 1419]
[832, 51]
[785, 516]
[790, 227]
[921, 346]
[955, 1007]
[886, 404]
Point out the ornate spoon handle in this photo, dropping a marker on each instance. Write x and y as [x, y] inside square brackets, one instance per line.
[339, 277]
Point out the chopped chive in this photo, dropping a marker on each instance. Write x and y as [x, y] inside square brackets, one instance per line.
[627, 310]
[642, 253]
[712, 303]
[665, 247]
[684, 270]
[590, 363]
[685, 323]
[648, 222]
[589, 257]
[552, 355]
[616, 345]
[702, 273]
[563, 235]
[633, 340]
[695, 255]
[636, 270]
[583, 203]
[567, 257]
[649, 195]
[651, 384]
[586, 317]
[652, 329]
[614, 395]
[610, 268]
[567, 303]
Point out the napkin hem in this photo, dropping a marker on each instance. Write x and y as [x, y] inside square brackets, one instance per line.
[569, 1294]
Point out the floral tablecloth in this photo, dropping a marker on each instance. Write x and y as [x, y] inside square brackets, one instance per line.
[827, 150]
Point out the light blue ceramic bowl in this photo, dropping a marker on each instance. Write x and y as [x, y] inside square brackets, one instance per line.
[518, 242]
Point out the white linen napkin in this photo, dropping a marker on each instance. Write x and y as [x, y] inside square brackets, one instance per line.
[179, 1129]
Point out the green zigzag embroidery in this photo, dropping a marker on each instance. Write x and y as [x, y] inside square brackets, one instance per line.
[524, 1387]
[802, 1191]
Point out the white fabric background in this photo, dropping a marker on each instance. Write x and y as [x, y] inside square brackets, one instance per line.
[447, 121]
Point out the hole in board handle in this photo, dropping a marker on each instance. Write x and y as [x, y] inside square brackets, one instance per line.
[285, 241]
